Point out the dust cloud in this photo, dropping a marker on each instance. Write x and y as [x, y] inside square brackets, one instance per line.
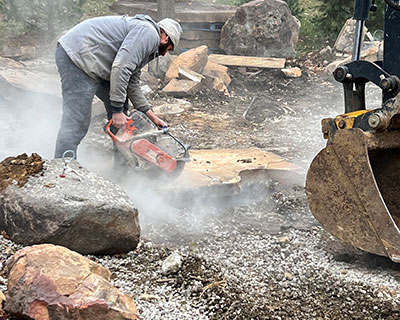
[29, 125]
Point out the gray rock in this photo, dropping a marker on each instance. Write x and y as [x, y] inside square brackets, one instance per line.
[262, 28]
[82, 211]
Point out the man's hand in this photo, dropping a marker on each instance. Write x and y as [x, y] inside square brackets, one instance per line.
[119, 119]
[156, 120]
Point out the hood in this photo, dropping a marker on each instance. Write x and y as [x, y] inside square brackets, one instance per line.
[172, 28]
[144, 17]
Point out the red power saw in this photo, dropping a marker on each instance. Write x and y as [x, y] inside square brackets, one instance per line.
[149, 149]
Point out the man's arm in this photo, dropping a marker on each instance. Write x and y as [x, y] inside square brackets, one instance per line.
[136, 95]
[137, 46]
[156, 120]
[140, 102]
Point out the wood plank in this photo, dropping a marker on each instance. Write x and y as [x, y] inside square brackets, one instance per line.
[245, 61]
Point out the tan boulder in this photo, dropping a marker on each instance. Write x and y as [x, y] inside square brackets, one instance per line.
[187, 74]
[292, 72]
[182, 88]
[218, 71]
[193, 59]
[10, 63]
[215, 83]
[371, 54]
[52, 282]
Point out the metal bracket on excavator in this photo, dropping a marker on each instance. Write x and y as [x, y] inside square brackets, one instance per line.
[353, 184]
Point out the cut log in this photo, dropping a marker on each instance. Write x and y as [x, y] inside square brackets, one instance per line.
[247, 61]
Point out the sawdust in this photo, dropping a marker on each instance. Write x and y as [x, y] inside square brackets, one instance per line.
[17, 170]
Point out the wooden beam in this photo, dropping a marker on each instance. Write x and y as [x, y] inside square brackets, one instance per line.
[246, 61]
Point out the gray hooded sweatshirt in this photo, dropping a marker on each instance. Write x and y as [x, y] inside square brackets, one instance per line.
[115, 48]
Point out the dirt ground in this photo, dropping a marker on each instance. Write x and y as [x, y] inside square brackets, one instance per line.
[263, 255]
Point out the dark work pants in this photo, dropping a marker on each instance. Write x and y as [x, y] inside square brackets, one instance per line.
[78, 91]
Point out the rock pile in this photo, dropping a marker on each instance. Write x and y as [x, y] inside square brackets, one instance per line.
[189, 72]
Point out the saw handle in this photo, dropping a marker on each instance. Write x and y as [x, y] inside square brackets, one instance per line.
[129, 127]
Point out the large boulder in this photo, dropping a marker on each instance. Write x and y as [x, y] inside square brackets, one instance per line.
[81, 211]
[51, 282]
[262, 28]
[218, 71]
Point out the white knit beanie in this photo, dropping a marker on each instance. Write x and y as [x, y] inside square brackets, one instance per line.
[172, 28]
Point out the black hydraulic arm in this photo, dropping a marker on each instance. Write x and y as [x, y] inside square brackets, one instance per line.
[385, 74]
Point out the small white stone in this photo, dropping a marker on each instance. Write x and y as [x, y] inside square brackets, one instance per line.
[172, 263]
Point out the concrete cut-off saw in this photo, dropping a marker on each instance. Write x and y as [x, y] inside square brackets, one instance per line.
[147, 149]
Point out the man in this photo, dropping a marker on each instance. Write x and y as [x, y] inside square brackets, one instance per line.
[103, 56]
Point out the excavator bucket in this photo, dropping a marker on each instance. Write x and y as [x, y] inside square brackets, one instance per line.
[353, 184]
[353, 187]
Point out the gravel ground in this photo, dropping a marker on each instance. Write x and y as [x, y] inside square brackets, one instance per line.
[262, 255]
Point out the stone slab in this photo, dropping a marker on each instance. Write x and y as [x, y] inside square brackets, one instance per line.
[185, 11]
[218, 176]
[247, 61]
[225, 166]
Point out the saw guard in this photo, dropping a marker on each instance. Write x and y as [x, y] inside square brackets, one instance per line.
[140, 139]
[151, 153]
[353, 187]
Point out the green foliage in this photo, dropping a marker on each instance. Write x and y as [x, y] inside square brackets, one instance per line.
[50, 16]
[332, 15]
[295, 7]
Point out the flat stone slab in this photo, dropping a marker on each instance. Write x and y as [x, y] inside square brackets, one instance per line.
[213, 174]
[222, 166]
[185, 11]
